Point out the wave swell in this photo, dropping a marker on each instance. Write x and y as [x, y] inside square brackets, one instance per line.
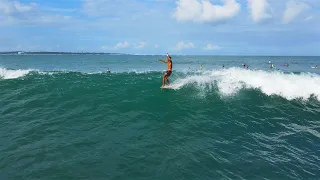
[227, 82]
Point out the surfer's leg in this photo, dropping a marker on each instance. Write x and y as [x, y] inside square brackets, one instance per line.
[168, 73]
[163, 79]
[167, 79]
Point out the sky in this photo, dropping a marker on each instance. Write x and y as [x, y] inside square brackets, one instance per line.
[198, 27]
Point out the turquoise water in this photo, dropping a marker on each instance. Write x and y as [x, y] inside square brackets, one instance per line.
[64, 117]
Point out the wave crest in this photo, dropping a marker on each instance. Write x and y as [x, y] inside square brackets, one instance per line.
[12, 74]
[226, 81]
[230, 81]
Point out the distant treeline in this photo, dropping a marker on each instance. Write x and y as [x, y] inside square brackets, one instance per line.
[70, 53]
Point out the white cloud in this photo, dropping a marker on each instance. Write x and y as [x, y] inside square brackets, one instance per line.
[204, 11]
[212, 47]
[260, 10]
[156, 46]
[293, 9]
[141, 45]
[184, 45]
[125, 44]
[14, 7]
[121, 45]
[14, 12]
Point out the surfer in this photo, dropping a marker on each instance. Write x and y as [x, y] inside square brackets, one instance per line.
[108, 70]
[244, 64]
[168, 72]
[201, 67]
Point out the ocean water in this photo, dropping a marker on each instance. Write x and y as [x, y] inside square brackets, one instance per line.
[64, 117]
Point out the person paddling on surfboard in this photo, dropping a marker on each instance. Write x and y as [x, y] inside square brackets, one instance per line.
[168, 72]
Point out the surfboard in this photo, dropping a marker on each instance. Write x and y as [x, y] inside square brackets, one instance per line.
[166, 87]
[171, 86]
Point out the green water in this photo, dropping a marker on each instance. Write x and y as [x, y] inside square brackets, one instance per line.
[216, 124]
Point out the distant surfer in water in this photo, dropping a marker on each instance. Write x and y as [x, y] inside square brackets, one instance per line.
[201, 67]
[168, 72]
[108, 70]
[272, 66]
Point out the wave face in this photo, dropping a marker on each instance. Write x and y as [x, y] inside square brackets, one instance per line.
[218, 123]
[227, 82]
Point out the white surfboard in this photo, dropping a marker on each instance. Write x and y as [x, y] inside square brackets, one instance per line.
[166, 87]
[171, 86]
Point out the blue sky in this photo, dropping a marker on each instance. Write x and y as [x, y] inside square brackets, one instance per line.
[213, 27]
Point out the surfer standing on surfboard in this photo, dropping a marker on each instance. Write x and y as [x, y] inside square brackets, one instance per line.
[168, 72]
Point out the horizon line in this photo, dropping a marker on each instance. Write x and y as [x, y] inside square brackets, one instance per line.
[73, 52]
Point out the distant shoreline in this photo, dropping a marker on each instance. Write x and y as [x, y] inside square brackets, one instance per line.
[103, 53]
[54, 53]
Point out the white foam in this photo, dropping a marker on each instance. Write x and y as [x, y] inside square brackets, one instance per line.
[12, 74]
[230, 81]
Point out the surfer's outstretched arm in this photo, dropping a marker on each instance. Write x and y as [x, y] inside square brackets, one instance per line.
[165, 61]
